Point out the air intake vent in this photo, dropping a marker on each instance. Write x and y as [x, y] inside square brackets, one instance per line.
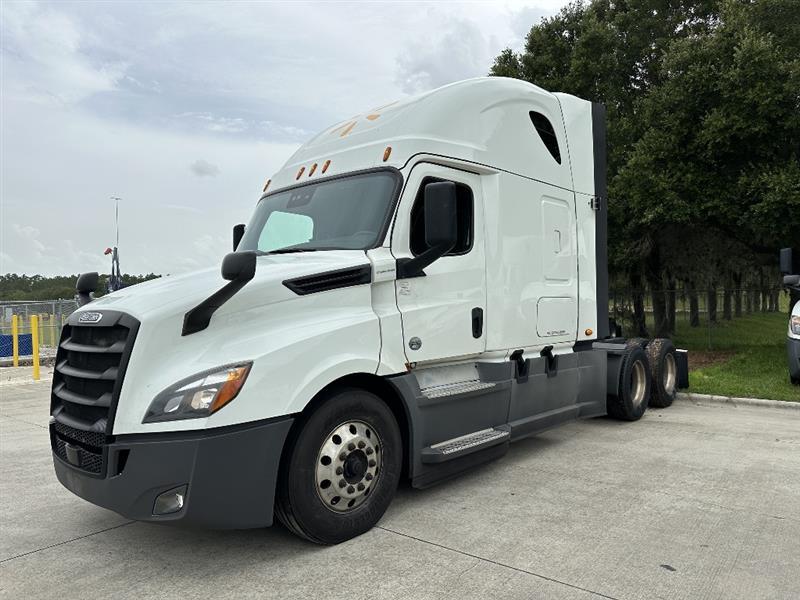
[330, 280]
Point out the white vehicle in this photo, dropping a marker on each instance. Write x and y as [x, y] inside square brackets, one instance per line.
[418, 287]
[791, 280]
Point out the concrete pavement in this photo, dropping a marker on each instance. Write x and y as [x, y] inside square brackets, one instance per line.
[691, 502]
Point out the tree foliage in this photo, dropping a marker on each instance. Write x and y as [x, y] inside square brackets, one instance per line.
[38, 287]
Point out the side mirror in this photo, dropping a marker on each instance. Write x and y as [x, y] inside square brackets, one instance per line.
[790, 262]
[441, 228]
[85, 285]
[239, 266]
[238, 234]
[791, 280]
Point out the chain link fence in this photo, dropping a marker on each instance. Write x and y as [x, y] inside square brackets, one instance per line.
[52, 314]
[648, 313]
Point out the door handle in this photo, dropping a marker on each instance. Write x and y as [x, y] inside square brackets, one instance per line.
[477, 322]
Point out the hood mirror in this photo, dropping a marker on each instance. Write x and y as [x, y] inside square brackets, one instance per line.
[84, 286]
[239, 266]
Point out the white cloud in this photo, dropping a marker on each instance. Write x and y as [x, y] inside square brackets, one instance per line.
[203, 168]
[460, 52]
[44, 56]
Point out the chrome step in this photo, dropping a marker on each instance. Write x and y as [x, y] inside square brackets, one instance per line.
[466, 444]
[455, 389]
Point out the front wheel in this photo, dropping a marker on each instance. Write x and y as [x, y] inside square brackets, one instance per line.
[342, 469]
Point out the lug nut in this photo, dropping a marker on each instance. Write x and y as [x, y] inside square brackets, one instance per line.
[339, 470]
[368, 476]
[342, 483]
[372, 463]
[343, 455]
[351, 446]
[361, 444]
[360, 487]
[351, 489]
[368, 451]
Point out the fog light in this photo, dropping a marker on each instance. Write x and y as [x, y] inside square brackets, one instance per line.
[170, 501]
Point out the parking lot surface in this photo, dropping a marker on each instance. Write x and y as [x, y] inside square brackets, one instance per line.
[690, 502]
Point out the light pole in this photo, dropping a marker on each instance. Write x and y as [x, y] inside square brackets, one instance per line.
[115, 279]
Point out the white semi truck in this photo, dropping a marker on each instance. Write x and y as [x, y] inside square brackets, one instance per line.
[418, 287]
[790, 267]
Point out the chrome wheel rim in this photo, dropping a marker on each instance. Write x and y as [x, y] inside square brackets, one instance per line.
[348, 465]
[638, 384]
[670, 373]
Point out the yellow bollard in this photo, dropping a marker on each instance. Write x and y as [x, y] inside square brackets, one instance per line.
[15, 339]
[35, 345]
[52, 321]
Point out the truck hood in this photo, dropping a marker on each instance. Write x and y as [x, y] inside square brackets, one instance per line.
[174, 294]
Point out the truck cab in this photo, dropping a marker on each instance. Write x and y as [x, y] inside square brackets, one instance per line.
[418, 287]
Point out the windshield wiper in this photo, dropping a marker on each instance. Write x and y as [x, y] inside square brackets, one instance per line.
[289, 250]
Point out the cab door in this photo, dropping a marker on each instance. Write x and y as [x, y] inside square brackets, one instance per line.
[443, 312]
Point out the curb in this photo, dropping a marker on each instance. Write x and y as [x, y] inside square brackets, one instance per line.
[709, 399]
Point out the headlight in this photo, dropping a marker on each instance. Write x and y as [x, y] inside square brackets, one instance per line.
[198, 396]
[794, 324]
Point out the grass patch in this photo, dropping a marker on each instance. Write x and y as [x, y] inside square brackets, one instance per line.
[745, 357]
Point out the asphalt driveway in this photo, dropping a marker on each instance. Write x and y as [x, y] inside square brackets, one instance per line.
[691, 502]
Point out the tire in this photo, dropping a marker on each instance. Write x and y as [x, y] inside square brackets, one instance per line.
[367, 459]
[794, 380]
[633, 388]
[637, 341]
[664, 368]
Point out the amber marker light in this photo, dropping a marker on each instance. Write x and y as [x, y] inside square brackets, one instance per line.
[300, 173]
[588, 332]
[387, 153]
[326, 165]
[229, 389]
[312, 169]
[266, 185]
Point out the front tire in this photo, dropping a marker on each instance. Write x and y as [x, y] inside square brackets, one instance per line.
[342, 468]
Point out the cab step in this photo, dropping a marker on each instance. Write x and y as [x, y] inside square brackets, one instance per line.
[456, 389]
[466, 444]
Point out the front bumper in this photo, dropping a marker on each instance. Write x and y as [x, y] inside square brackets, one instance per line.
[793, 355]
[230, 472]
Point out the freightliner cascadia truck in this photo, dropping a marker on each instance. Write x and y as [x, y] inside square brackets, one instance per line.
[418, 287]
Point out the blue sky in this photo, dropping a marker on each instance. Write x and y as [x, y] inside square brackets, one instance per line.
[184, 109]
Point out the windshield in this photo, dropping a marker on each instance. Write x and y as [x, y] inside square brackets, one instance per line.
[348, 213]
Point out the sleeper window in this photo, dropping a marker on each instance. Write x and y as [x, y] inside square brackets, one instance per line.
[545, 130]
[464, 219]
